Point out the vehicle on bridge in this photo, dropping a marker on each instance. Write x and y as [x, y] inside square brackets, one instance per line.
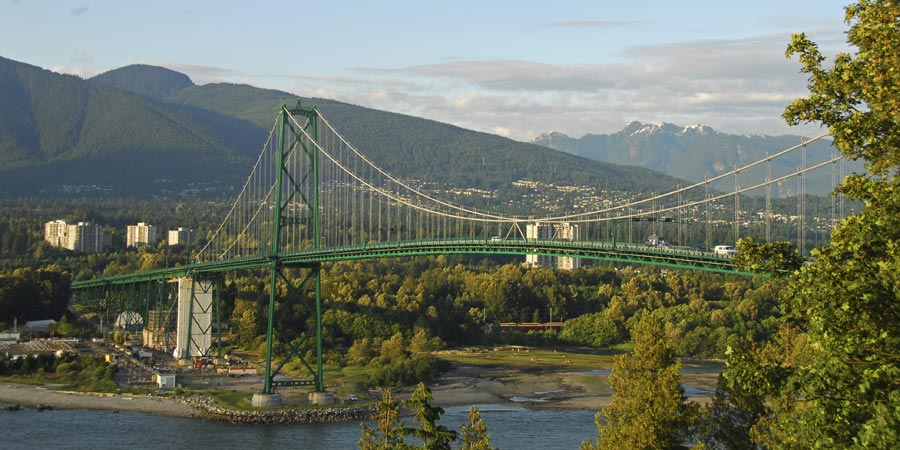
[725, 250]
[656, 241]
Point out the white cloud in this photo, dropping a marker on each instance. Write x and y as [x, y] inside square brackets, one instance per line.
[500, 131]
[203, 74]
[82, 72]
[603, 24]
[738, 86]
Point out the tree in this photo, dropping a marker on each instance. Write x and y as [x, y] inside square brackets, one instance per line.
[595, 329]
[422, 343]
[648, 409]
[389, 431]
[474, 434]
[848, 300]
[432, 435]
[750, 369]
[772, 258]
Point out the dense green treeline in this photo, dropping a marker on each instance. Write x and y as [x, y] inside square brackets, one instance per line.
[458, 300]
[89, 373]
[390, 314]
[27, 294]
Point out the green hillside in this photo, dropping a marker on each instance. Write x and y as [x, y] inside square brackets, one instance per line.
[149, 81]
[425, 149]
[61, 132]
[149, 131]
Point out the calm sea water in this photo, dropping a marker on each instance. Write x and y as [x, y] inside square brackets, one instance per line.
[510, 428]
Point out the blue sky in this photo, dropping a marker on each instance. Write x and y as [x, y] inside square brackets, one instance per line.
[514, 68]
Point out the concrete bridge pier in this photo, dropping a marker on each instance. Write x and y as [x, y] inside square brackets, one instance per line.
[321, 398]
[261, 400]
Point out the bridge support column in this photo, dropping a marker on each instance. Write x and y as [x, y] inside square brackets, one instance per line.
[194, 319]
[321, 398]
[290, 189]
[261, 400]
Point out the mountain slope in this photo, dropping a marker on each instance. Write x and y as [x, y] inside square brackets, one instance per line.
[40, 113]
[696, 152]
[61, 130]
[424, 149]
[149, 81]
[148, 131]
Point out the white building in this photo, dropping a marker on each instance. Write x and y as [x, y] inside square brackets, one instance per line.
[140, 235]
[558, 231]
[56, 233]
[184, 236]
[165, 380]
[83, 236]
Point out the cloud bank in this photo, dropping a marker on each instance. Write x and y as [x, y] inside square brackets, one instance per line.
[737, 86]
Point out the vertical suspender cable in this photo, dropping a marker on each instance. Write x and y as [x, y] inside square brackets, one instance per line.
[768, 199]
[737, 206]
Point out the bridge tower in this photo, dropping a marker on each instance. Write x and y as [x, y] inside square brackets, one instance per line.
[289, 189]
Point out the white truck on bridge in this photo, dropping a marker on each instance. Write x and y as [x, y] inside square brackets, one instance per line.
[725, 250]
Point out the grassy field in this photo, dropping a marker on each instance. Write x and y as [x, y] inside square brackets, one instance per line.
[531, 359]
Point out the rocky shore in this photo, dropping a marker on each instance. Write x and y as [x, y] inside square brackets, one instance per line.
[210, 410]
[18, 396]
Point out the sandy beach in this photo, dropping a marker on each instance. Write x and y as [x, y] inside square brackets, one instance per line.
[32, 396]
[576, 391]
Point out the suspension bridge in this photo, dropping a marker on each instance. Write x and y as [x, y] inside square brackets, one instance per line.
[313, 198]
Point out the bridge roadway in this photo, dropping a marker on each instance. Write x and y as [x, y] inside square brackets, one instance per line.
[598, 250]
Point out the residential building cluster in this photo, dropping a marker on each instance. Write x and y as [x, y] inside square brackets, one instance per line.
[82, 236]
[140, 235]
[90, 238]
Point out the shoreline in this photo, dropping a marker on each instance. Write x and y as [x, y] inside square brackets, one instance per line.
[192, 407]
[463, 386]
[35, 395]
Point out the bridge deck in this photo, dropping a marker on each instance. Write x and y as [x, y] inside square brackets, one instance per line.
[596, 250]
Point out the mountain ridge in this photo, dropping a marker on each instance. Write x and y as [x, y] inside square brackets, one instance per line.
[148, 131]
[693, 152]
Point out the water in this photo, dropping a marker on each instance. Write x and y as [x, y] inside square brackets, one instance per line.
[510, 428]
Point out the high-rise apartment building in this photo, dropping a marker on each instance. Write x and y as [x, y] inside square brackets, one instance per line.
[140, 235]
[82, 237]
[559, 231]
[86, 237]
[55, 233]
[183, 236]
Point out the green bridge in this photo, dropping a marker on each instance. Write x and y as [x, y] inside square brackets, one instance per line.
[313, 198]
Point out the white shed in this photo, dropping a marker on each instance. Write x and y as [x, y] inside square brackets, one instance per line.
[166, 380]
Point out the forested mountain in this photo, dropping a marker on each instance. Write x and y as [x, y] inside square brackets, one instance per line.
[59, 133]
[150, 81]
[695, 152]
[413, 147]
[144, 130]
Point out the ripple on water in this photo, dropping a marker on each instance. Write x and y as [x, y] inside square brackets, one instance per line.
[490, 407]
[592, 372]
[555, 391]
[528, 400]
